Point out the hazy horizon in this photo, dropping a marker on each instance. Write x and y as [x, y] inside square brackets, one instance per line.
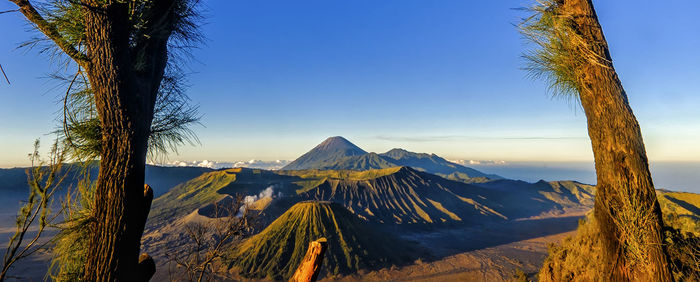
[415, 144]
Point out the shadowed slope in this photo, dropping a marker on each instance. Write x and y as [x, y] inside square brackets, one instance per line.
[521, 199]
[277, 251]
[363, 162]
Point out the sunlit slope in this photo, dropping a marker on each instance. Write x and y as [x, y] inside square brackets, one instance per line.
[212, 186]
[406, 196]
[681, 210]
[277, 251]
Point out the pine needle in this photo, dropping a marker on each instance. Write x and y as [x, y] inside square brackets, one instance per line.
[3, 74]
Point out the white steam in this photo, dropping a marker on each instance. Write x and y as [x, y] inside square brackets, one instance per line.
[250, 199]
[268, 192]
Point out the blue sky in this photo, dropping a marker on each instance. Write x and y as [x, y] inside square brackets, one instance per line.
[277, 77]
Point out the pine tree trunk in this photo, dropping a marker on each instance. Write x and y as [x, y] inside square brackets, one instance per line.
[125, 109]
[125, 64]
[626, 208]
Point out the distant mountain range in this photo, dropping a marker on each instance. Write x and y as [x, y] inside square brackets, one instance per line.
[161, 179]
[337, 153]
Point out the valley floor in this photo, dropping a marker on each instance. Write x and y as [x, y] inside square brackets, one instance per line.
[487, 253]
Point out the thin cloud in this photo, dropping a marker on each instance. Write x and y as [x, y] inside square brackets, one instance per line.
[438, 138]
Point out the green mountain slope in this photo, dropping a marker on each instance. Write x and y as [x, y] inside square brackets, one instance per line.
[276, 251]
[213, 186]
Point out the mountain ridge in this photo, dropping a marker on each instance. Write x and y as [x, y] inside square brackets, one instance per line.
[337, 153]
[405, 195]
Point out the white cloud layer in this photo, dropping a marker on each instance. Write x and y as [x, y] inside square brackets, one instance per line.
[478, 162]
[270, 165]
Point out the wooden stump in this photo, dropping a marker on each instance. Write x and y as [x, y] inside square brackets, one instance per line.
[311, 264]
[146, 267]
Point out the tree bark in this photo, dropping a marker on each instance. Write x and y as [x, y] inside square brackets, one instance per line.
[626, 209]
[125, 65]
[125, 109]
[311, 264]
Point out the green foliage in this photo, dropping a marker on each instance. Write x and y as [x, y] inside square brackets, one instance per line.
[82, 130]
[81, 127]
[69, 252]
[276, 252]
[520, 276]
[577, 258]
[560, 52]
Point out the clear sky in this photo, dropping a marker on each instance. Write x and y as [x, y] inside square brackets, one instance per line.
[277, 77]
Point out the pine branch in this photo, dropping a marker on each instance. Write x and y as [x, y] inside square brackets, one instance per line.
[50, 31]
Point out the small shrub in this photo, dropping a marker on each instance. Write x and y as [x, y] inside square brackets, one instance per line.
[520, 276]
